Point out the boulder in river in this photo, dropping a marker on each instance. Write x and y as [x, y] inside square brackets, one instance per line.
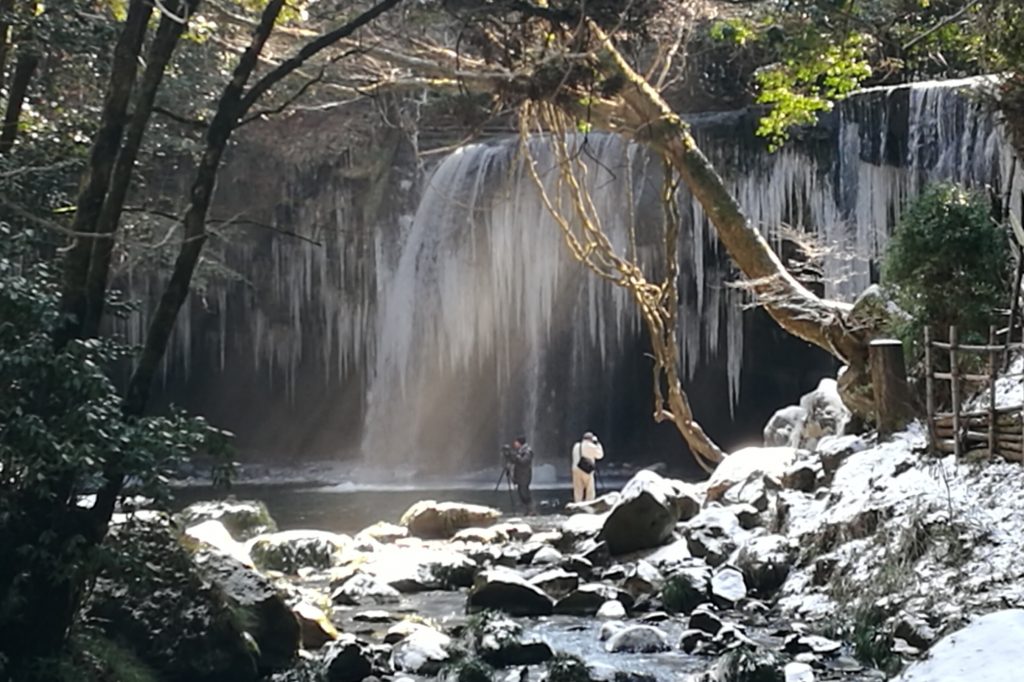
[214, 535]
[728, 586]
[556, 582]
[291, 550]
[611, 610]
[765, 562]
[243, 519]
[384, 532]
[347, 660]
[713, 534]
[315, 627]
[423, 652]
[638, 639]
[588, 599]
[441, 520]
[643, 578]
[645, 516]
[507, 591]
[363, 589]
[499, 641]
[418, 569]
[687, 588]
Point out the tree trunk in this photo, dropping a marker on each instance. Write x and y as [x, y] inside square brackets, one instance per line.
[24, 70]
[6, 7]
[159, 55]
[650, 120]
[96, 177]
[894, 403]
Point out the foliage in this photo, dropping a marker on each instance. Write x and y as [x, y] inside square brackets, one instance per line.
[747, 664]
[468, 669]
[947, 264]
[679, 595]
[61, 434]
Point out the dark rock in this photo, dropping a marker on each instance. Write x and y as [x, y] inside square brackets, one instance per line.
[556, 582]
[802, 476]
[727, 586]
[431, 519]
[798, 644]
[347, 660]
[244, 519]
[645, 516]
[291, 550]
[915, 631]
[581, 566]
[596, 552]
[546, 556]
[655, 617]
[503, 590]
[643, 579]
[315, 627]
[614, 574]
[705, 620]
[588, 599]
[747, 515]
[687, 588]
[259, 604]
[155, 602]
[374, 617]
[765, 563]
[500, 642]
[638, 639]
[691, 640]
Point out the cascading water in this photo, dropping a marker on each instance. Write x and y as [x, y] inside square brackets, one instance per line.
[475, 322]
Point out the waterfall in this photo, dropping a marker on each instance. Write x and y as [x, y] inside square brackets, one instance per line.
[465, 320]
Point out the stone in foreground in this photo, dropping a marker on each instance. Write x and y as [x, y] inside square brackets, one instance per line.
[638, 639]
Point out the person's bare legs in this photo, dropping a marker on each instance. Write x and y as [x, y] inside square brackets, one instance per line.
[579, 485]
[591, 491]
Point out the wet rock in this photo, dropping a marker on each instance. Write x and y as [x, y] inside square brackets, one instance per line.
[765, 562]
[599, 505]
[599, 672]
[347, 660]
[915, 631]
[799, 644]
[596, 552]
[399, 631]
[645, 515]
[655, 617]
[500, 642]
[613, 574]
[504, 590]
[290, 550]
[579, 565]
[638, 639]
[642, 579]
[747, 515]
[556, 582]
[802, 475]
[258, 604]
[374, 616]
[588, 599]
[243, 519]
[706, 620]
[547, 556]
[384, 532]
[431, 519]
[746, 464]
[609, 629]
[727, 586]
[687, 588]
[691, 641]
[214, 535]
[713, 534]
[423, 652]
[611, 610]
[363, 590]
[315, 627]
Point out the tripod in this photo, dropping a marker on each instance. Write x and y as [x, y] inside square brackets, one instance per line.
[507, 477]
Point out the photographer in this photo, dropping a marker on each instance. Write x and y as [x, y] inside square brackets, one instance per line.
[518, 462]
[585, 454]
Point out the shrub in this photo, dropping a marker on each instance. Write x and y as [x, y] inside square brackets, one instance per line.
[947, 265]
[567, 668]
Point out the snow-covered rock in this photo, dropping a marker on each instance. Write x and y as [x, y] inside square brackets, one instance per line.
[784, 427]
[417, 569]
[638, 639]
[556, 582]
[713, 534]
[290, 550]
[645, 515]
[500, 642]
[315, 627]
[363, 589]
[346, 660]
[423, 652]
[765, 562]
[243, 519]
[744, 464]
[588, 599]
[598, 505]
[214, 535]
[728, 586]
[612, 610]
[384, 532]
[987, 649]
[432, 519]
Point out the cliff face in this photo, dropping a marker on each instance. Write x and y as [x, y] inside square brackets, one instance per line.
[437, 311]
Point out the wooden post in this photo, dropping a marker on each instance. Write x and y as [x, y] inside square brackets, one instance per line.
[993, 368]
[954, 374]
[894, 405]
[1014, 302]
[929, 389]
